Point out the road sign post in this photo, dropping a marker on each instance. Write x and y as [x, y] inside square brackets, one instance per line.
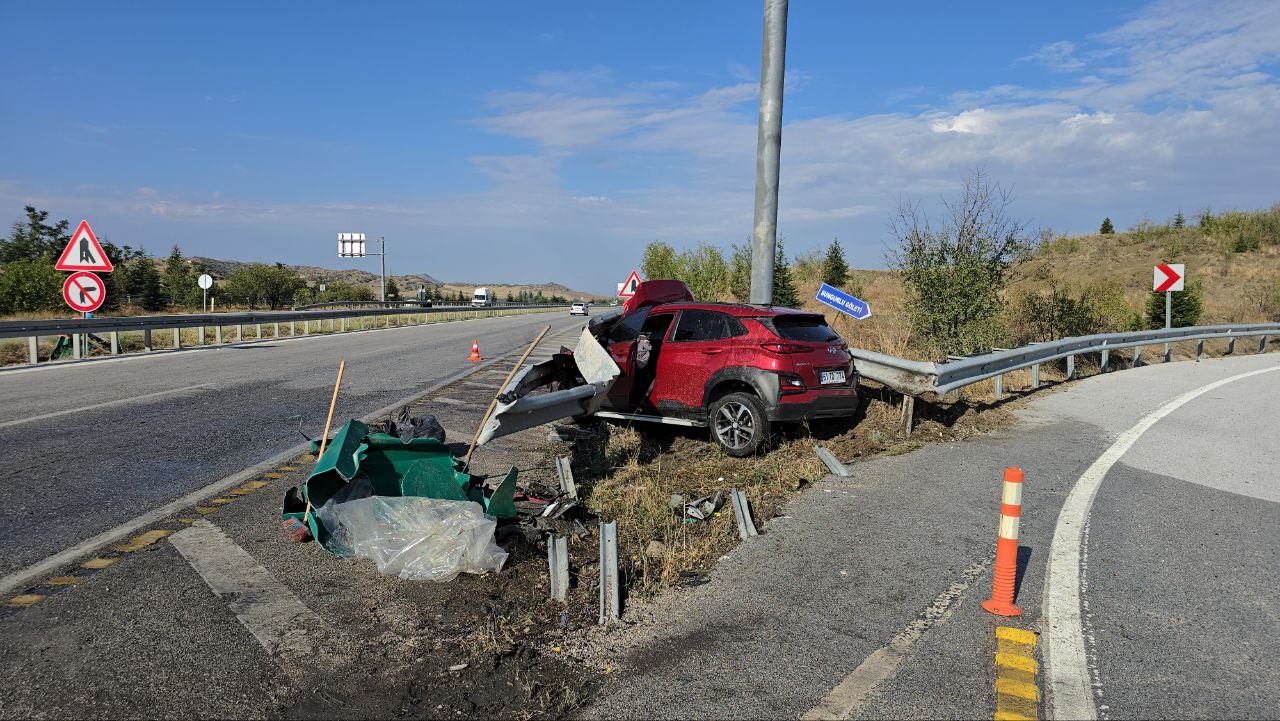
[205, 281]
[843, 302]
[1168, 278]
[351, 245]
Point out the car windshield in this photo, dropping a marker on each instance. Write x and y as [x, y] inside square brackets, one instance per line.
[811, 328]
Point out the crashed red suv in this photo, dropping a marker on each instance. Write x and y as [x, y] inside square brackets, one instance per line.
[733, 368]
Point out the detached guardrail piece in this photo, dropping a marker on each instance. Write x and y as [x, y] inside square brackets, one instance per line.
[610, 605]
[833, 464]
[742, 512]
[558, 561]
[565, 471]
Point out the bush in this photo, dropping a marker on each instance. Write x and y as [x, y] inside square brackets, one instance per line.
[953, 276]
[1268, 299]
[1100, 308]
[28, 286]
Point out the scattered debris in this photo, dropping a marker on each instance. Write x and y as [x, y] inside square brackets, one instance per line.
[609, 600]
[742, 512]
[458, 666]
[697, 510]
[832, 463]
[418, 539]
[406, 428]
[558, 562]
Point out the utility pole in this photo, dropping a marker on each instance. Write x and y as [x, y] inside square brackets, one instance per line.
[764, 236]
[382, 253]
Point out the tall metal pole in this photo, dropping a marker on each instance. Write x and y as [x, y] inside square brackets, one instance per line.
[382, 246]
[1168, 320]
[768, 149]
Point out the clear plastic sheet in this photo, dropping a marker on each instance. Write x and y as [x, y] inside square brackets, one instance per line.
[415, 538]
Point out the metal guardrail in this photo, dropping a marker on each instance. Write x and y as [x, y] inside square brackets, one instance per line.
[33, 329]
[918, 377]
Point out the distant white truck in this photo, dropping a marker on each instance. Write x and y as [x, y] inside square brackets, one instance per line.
[481, 298]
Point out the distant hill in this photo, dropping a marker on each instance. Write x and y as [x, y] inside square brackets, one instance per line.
[408, 283]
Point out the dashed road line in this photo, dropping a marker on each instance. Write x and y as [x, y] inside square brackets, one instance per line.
[107, 404]
[1017, 693]
[847, 697]
[277, 618]
[26, 600]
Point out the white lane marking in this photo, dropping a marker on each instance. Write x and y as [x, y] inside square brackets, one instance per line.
[1066, 663]
[271, 612]
[847, 697]
[449, 401]
[107, 404]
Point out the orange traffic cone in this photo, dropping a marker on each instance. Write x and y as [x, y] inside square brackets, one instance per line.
[1006, 573]
[475, 351]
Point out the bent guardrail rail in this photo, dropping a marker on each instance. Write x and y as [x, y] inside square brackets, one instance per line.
[915, 378]
[34, 329]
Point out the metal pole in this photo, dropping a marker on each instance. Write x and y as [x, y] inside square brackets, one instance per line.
[768, 150]
[1168, 319]
[382, 245]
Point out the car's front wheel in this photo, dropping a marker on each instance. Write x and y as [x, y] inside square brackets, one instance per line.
[738, 424]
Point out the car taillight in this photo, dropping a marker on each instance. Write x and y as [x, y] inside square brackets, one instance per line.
[785, 347]
[790, 383]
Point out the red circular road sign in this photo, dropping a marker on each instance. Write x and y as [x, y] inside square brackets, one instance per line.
[84, 291]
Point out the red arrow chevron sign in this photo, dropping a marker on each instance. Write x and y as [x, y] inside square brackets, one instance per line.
[1168, 277]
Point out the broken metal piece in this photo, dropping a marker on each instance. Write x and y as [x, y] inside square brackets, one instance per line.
[833, 464]
[558, 561]
[565, 471]
[519, 408]
[742, 512]
[609, 601]
[699, 509]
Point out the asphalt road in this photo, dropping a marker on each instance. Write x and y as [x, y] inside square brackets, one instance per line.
[868, 583]
[86, 446]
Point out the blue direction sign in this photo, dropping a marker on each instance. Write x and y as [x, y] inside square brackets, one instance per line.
[844, 302]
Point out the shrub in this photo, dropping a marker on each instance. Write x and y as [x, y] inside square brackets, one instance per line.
[28, 286]
[1100, 308]
[953, 276]
[1185, 304]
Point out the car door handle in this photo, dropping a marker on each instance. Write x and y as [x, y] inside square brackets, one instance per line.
[712, 351]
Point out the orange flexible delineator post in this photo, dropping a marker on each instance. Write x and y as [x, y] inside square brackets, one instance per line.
[475, 351]
[1006, 573]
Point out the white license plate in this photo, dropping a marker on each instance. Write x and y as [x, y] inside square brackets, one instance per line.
[828, 377]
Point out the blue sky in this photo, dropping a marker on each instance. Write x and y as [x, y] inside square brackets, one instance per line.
[550, 141]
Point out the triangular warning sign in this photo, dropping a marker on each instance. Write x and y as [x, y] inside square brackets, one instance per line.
[629, 287]
[84, 252]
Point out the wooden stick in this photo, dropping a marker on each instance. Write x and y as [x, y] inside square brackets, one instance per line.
[324, 439]
[494, 403]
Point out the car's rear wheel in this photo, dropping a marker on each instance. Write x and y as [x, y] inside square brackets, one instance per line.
[738, 424]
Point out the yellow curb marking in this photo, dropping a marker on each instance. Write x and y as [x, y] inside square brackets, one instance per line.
[273, 475]
[205, 510]
[98, 563]
[26, 600]
[138, 543]
[288, 468]
[185, 520]
[222, 501]
[1017, 693]
[64, 580]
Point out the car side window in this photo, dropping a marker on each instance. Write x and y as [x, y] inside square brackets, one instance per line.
[628, 328]
[702, 325]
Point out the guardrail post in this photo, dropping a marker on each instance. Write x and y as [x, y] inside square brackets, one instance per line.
[1035, 376]
[239, 333]
[146, 339]
[257, 328]
[115, 342]
[177, 338]
[217, 334]
[1200, 349]
[344, 324]
[1231, 345]
[999, 390]
[201, 339]
[306, 327]
[75, 346]
[609, 603]
[276, 330]
[33, 349]
[1262, 344]
[1137, 357]
[1071, 367]
[1105, 365]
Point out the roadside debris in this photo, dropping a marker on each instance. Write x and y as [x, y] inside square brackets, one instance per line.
[385, 477]
[417, 539]
[697, 510]
[406, 428]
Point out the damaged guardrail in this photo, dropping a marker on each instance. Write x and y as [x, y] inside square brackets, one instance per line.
[916, 378]
[111, 326]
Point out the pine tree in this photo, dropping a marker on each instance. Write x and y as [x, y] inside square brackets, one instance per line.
[784, 288]
[176, 279]
[1185, 304]
[393, 290]
[835, 271]
[1179, 221]
[1107, 228]
[144, 283]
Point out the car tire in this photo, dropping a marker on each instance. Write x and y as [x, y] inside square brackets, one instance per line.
[738, 424]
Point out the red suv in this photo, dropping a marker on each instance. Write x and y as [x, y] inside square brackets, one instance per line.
[735, 368]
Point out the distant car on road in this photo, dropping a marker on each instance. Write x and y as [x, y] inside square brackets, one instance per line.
[578, 308]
